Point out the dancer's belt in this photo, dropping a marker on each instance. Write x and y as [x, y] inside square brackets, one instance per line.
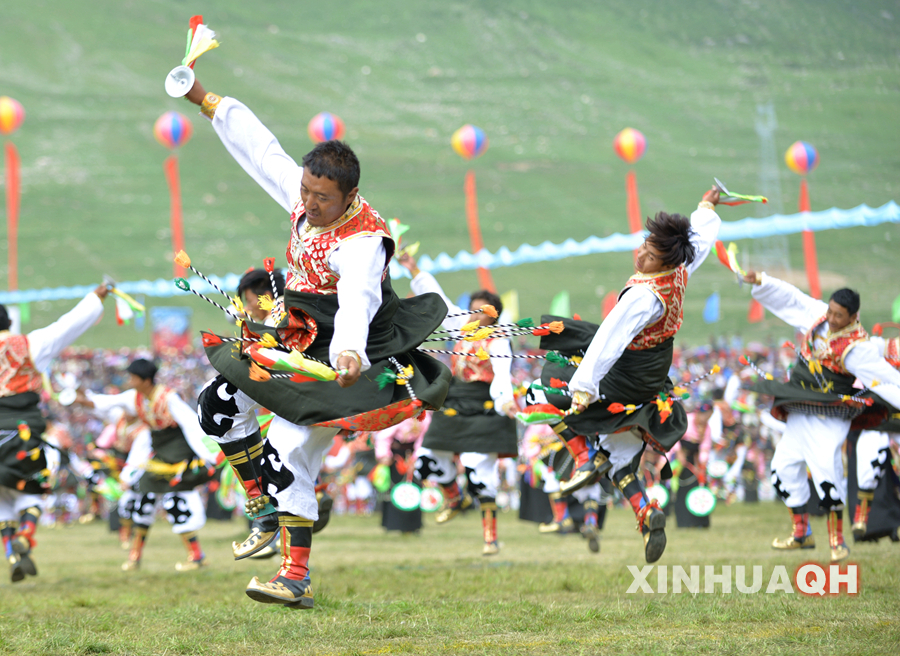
[173, 469]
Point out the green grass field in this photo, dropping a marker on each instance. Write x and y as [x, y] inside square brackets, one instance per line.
[380, 593]
[550, 82]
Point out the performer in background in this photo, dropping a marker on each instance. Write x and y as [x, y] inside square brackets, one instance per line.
[23, 462]
[819, 404]
[478, 418]
[621, 392]
[339, 308]
[175, 462]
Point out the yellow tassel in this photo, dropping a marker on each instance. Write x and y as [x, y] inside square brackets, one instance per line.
[469, 327]
[630, 408]
[24, 431]
[576, 360]
[265, 303]
[716, 369]
[259, 374]
[556, 327]
[450, 412]
[407, 373]
[481, 333]
[488, 405]
[268, 341]
[875, 383]
[482, 354]
[678, 390]
[238, 305]
[182, 259]
[489, 310]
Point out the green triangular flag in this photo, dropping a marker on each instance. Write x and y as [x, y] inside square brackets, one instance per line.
[559, 306]
[895, 310]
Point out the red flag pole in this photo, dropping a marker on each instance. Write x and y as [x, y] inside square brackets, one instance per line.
[634, 203]
[484, 276]
[809, 247]
[12, 214]
[170, 166]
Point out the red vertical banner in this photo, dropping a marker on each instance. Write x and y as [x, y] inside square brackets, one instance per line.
[484, 276]
[12, 214]
[756, 312]
[809, 247]
[634, 203]
[170, 166]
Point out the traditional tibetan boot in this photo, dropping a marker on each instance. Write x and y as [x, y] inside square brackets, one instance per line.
[651, 521]
[489, 524]
[125, 528]
[291, 586]
[325, 503]
[243, 455]
[455, 502]
[589, 529]
[861, 517]
[23, 541]
[839, 549]
[16, 572]
[196, 558]
[137, 549]
[802, 537]
[562, 523]
[594, 467]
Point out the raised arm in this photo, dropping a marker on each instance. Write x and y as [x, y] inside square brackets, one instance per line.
[252, 145]
[786, 301]
[866, 362]
[705, 225]
[44, 344]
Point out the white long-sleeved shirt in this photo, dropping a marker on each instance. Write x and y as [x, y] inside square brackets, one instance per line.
[865, 360]
[182, 413]
[635, 311]
[359, 262]
[501, 387]
[44, 344]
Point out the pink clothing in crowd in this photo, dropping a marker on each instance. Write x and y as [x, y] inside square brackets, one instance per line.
[409, 431]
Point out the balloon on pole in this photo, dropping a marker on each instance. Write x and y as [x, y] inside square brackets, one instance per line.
[802, 159]
[630, 146]
[325, 126]
[12, 114]
[470, 142]
[173, 130]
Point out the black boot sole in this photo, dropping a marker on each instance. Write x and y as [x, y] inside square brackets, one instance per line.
[594, 544]
[565, 490]
[263, 598]
[656, 542]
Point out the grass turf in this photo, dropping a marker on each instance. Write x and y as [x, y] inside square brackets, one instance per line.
[384, 593]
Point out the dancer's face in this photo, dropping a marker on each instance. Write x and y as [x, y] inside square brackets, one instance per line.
[251, 305]
[649, 260]
[482, 318]
[838, 317]
[324, 201]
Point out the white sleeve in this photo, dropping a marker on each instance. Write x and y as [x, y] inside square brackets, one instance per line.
[715, 425]
[141, 450]
[186, 418]
[637, 309]
[866, 362]
[258, 152]
[44, 344]
[788, 303]
[705, 226]
[501, 386]
[732, 389]
[106, 403]
[360, 264]
[425, 283]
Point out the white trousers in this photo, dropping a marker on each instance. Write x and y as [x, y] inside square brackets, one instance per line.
[184, 510]
[13, 502]
[872, 457]
[622, 448]
[815, 442]
[481, 470]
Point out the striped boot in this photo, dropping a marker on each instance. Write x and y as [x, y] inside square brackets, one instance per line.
[291, 586]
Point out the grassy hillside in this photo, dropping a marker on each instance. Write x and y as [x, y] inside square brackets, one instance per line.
[550, 83]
